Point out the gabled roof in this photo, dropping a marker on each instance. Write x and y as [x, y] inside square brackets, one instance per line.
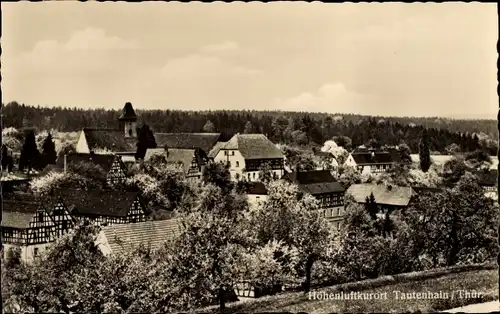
[124, 237]
[314, 182]
[104, 161]
[375, 158]
[176, 155]
[254, 146]
[111, 139]
[97, 202]
[128, 113]
[18, 214]
[204, 141]
[215, 150]
[256, 188]
[387, 195]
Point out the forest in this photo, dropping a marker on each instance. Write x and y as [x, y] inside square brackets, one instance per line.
[301, 128]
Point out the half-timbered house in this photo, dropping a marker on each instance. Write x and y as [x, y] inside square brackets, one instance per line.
[104, 207]
[60, 215]
[247, 154]
[112, 165]
[28, 225]
[321, 185]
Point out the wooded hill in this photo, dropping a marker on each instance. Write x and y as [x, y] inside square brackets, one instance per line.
[302, 128]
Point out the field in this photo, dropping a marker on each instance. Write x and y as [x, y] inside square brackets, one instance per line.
[484, 281]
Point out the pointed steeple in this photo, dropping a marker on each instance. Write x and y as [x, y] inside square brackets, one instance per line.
[128, 113]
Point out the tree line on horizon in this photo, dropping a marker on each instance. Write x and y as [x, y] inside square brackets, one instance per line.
[301, 128]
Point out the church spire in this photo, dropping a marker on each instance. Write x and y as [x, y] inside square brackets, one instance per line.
[128, 120]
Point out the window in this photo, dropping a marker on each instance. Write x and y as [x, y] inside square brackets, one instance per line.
[232, 153]
[35, 252]
[249, 177]
[225, 153]
[253, 175]
[130, 132]
[237, 164]
[40, 217]
[338, 211]
[64, 224]
[258, 197]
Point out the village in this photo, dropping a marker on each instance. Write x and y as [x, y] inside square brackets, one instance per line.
[33, 221]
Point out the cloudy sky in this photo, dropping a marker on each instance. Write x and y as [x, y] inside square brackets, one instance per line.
[382, 59]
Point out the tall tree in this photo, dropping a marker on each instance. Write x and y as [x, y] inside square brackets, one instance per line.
[209, 127]
[371, 206]
[248, 128]
[145, 140]
[30, 156]
[49, 155]
[424, 152]
[404, 154]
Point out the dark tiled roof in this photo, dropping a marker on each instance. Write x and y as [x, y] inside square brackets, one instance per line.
[104, 161]
[124, 237]
[256, 188]
[254, 146]
[128, 112]
[204, 141]
[111, 139]
[18, 214]
[315, 182]
[375, 158]
[97, 202]
[395, 195]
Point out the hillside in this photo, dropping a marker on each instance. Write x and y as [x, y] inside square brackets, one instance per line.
[300, 127]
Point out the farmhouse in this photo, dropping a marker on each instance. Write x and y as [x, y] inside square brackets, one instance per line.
[111, 164]
[104, 207]
[387, 197]
[488, 180]
[246, 154]
[118, 239]
[28, 225]
[323, 186]
[372, 162]
[192, 161]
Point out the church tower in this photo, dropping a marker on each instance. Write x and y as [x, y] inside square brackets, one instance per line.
[128, 121]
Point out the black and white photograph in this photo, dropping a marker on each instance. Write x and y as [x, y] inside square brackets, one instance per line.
[190, 157]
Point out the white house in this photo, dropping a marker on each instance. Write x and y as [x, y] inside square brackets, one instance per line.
[373, 162]
[256, 193]
[247, 153]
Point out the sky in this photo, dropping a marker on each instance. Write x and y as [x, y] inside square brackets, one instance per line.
[392, 59]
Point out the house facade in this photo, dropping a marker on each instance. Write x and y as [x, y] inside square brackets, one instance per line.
[246, 154]
[322, 185]
[372, 162]
[27, 225]
[256, 193]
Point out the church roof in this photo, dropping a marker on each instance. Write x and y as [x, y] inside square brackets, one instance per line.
[111, 139]
[204, 141]
[128, 113]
